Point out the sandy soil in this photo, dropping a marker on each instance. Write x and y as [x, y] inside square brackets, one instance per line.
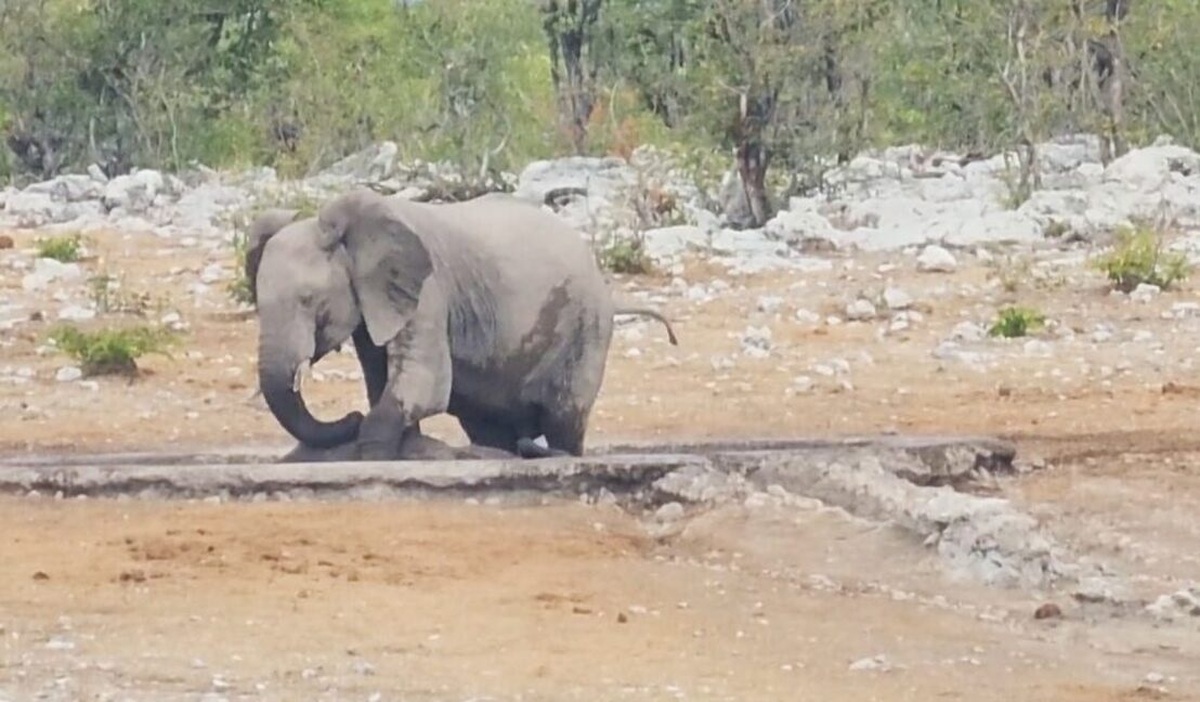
[121, 600]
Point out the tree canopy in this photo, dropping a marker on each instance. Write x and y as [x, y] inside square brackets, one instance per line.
[775, 87]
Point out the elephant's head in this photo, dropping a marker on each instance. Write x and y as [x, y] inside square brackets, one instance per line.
[315, 280]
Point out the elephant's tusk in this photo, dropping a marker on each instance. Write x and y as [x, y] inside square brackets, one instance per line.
[301, 370]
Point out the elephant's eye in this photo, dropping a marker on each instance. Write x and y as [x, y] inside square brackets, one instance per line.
[306, 299]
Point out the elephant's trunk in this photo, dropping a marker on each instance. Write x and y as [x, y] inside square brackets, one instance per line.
[279, 382]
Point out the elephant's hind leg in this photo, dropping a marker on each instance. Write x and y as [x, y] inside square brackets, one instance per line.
[485, 431]
[564, 432]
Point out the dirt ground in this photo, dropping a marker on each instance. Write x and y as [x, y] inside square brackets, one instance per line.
[143, 601]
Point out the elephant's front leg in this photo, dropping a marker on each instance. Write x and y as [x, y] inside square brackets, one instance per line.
[418, 386]
[374, 362]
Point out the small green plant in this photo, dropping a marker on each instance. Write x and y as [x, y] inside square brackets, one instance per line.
[1139, 258]
[1056, 229]
[1011, 272]
[1014, 322]
[626, 255]
[64, 249]
[110, 296]
[111, 351]
[239, 287]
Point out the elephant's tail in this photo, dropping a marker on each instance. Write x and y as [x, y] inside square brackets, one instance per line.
[647, 312]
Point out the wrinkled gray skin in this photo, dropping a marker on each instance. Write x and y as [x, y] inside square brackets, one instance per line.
[492, 310]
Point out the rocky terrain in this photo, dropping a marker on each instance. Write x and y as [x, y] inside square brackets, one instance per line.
[865, 310]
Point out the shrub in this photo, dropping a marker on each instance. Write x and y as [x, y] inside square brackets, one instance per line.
[1138, 258]
[627, 255]
[1016, 321]
[111, 351]
[65, 249]
[239, 287]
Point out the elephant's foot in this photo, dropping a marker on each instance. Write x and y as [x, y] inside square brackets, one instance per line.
[527, 448]
[382, 435]
[418, 447]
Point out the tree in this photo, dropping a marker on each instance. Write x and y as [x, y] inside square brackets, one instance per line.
[571, 28]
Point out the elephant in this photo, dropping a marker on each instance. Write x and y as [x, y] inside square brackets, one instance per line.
[492, 310]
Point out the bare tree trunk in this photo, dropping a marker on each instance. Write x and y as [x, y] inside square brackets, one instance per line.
[1112, 81]
[1016, 78]
[569, 28]
[753, 157]
[832, 70]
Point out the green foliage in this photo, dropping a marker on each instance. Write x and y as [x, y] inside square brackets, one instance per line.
[299, 84]
[1138, 257]
[626, 255]
[1015, 322]
[452, 80]
[66, 248]
[1056, 229]
[239, 287]
[111, 351]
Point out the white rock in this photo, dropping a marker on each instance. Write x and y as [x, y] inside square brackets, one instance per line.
[48, 270]
[76, 313]
[879, 662]
[896, 299]
[797, 227]
[212, 273]
[134, 192]
[803, 384]
[97, 174]
[769, 304]
[1102, 333]
[68, 374]
[967, 331]
[1003, 226]
[1147, 169]
[807, 317]
[936, 259]
[1037, 347]
[860, 310]
[1184, 603]
[1144, 292]
[756, 342]
[669, 512]
[173, 321]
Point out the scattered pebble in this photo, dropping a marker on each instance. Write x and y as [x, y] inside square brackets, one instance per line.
[936, 259]
[1048, 611]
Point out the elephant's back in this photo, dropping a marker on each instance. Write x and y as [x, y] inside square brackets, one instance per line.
[533, 279]
[503, 220]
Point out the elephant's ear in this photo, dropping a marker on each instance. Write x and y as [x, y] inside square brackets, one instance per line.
[266, 225]
[389, 264]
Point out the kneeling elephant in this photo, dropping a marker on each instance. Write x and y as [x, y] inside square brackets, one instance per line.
[492, 310]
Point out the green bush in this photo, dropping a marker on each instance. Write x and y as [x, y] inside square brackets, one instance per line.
[65, 249]
[626, 255]
[111, 351]
[1015, 322]
[1138, 257]
[239, 287]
